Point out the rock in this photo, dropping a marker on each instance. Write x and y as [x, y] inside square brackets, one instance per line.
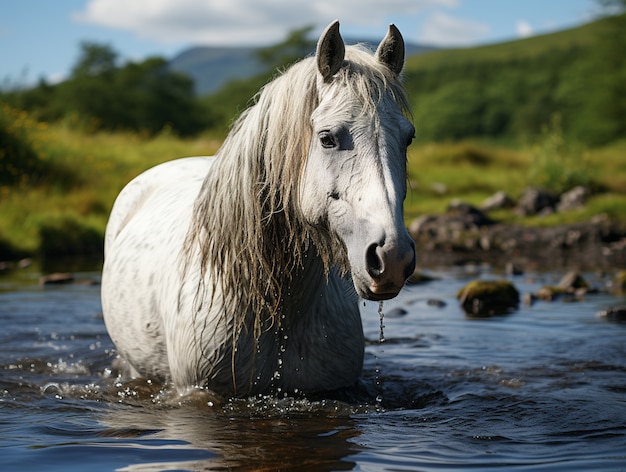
[619, 282]
[57, 278]
[419, 278]
[439, 188]
[487, 298]
[572, 281]
[435, 302]
[573, 199]
[468, 214]
[24, 263]
[571, 284]
[396, 312]
[617, 314]
[511, 269]
[497, 201]
[536, 201]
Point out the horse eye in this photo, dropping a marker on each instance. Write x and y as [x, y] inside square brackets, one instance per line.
[327, 140]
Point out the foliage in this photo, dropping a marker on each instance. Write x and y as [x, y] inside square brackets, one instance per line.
[21, 162]
[144, 96]
[295, 46]
[511, 90]
[101, 163]
[558, 165]
[69, 237]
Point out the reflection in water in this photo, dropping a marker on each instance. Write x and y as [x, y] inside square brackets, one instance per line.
[542, 387]
[300, 442]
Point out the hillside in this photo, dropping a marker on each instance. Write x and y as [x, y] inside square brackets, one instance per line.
[212, 67]
[512, 91]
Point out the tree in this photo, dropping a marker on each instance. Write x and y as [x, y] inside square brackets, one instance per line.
[95, 60]
[295, 46]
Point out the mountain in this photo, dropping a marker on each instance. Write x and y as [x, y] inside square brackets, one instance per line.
[212, 67]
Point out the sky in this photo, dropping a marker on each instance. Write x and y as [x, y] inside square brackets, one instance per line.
[41, 38]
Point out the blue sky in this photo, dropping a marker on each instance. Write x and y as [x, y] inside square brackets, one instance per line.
[40, 38]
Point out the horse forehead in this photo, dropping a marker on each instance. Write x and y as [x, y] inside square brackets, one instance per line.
[356, 111]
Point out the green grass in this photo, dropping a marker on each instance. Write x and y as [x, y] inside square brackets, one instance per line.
[472, 172]
[101, 164]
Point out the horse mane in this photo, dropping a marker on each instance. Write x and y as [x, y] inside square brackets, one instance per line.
[246, 226]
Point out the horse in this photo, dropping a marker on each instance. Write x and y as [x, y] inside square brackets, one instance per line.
[241, 273]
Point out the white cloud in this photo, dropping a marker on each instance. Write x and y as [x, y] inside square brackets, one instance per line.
[524, 29]
[241, 21]
[445, 30]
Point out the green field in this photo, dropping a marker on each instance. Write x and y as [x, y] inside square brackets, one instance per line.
[64, 210]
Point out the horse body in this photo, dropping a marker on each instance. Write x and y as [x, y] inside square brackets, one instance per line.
[242, 272]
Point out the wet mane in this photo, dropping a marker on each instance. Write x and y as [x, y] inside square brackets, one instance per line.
[246, 225]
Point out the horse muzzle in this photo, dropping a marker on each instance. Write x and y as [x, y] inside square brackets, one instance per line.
[387, 266]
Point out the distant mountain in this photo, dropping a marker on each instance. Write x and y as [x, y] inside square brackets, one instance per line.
[212, 67]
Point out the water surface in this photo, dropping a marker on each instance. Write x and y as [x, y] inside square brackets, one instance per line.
[543, 388]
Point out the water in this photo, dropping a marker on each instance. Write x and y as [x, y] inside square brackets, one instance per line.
[543, 388]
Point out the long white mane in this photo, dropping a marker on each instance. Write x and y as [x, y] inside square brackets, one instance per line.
[246, 225]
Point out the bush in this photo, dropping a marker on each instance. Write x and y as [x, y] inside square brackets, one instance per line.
[558, 165]
[67, 237]
[21, 163]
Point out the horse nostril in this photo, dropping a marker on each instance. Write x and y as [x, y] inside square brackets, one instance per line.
[373, 262]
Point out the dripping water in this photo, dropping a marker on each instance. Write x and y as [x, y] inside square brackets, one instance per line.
[381, 339]
[381, 315]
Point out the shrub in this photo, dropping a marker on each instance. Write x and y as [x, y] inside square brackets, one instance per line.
[67, 237]
[559, 165]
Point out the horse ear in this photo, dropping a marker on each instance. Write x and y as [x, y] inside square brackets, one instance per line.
[391, 50]
[330, 51]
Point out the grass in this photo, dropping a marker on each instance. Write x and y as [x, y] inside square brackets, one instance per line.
[97, 166]
[471, 171]
[100, 163]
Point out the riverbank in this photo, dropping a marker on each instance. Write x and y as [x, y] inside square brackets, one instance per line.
[466, 235]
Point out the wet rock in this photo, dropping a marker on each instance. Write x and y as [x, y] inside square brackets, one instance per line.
[63, 278]
[497, 201]
[575, 198]
[572, 281]
[617, 314]
[57, 278]
[619, 282]
[487, 298]
[396, 312]
[435, 302]
[536, 201]
[571, 284]
[418, 278]
[512, 269]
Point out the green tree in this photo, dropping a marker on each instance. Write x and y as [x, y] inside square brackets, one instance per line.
[295, 46]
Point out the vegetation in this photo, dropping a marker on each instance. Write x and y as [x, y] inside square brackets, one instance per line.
[546, 111]
[512, 90]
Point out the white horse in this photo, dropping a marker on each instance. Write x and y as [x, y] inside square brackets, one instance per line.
[242, 272]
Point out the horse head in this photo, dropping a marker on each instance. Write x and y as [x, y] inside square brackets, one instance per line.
[354, 178]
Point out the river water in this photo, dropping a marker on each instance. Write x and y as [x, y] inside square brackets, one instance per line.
[542, 388]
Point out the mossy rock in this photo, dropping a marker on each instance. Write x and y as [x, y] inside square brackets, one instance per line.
[488, 297]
